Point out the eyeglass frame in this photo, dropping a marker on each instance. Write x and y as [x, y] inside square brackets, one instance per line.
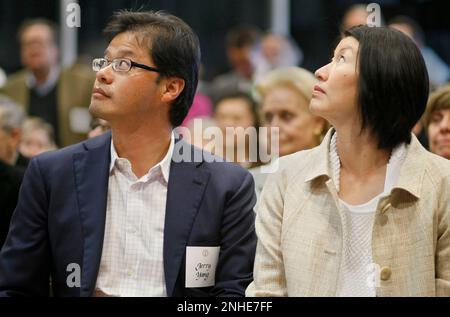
[132, 64]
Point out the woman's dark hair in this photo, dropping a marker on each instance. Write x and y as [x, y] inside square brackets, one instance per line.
[173, 47]
[393, 83]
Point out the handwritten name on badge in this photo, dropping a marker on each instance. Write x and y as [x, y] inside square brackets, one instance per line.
[201, 264]
[202, 271]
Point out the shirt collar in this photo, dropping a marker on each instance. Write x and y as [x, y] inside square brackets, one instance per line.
[320, 161]
[411, 171]
[44, 88]
[164, 164]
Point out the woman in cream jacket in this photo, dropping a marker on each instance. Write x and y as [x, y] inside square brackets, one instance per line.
[367, 213]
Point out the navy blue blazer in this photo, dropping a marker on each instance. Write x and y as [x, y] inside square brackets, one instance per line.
[60, 219]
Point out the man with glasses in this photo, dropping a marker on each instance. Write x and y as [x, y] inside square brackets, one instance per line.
[122, 214]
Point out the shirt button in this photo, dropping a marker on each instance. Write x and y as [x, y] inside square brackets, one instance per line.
[130, 273]
[385, 273]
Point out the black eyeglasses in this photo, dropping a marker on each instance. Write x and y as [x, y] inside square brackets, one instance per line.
[121, 65]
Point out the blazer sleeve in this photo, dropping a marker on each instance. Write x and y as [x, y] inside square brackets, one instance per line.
[24, 259]
[269, 277]
[443, 244]
[238, 242]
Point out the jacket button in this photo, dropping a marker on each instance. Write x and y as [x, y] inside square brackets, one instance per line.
[385, 273]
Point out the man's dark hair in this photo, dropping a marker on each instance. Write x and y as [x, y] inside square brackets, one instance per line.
[393, 83]
[173, 47]
[242, 36]
[39, 21]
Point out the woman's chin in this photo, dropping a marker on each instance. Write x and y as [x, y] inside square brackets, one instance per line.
[316, 107]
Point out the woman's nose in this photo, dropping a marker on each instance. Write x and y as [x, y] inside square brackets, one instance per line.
[322, 73]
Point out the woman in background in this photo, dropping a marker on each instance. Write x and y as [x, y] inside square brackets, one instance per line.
[437, 122]
[236, 116]
[284, 96]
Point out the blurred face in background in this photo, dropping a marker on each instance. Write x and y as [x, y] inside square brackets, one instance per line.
[404, 28]
[439, 132]
[35, 142]
[271, 47]
[284, 107]
[38, 49]
[355, 17]
[234, 113]
[9, 140]
[240, 60]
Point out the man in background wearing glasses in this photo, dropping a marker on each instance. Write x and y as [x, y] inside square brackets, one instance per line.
[121, 209]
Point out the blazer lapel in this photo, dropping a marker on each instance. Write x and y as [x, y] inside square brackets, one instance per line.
[91, 169]
[186, 186]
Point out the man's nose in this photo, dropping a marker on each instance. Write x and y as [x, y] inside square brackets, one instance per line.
[105, 75]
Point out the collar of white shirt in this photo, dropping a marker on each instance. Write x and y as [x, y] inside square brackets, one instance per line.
[44, 88]
[164, 164]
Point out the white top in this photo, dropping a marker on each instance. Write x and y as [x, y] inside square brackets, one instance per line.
[356, 277]
[132, 258]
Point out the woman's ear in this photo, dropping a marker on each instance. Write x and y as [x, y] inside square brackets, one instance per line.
[172, 88]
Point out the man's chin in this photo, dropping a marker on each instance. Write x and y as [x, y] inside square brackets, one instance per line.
[97, 110]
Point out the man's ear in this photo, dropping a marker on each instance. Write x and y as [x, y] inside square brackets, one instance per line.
[172, 88]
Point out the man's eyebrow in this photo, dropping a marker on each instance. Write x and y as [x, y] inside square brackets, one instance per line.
[121, 53]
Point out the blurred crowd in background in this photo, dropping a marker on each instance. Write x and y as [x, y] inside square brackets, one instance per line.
[43, 106]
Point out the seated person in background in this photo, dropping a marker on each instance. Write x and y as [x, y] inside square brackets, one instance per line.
[11, 121]
[205, 141]
[37, 138]
[59, 96]
[357, 15]
[98, 127]
[235, 114]
[276, 51]
[240, 45]
[284, 95]
[438, 70]
[437, 122]
[201, 108]
[2, 78]
[11, 118]
[10, 180]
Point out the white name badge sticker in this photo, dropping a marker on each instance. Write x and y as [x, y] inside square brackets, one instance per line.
[201, 264]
